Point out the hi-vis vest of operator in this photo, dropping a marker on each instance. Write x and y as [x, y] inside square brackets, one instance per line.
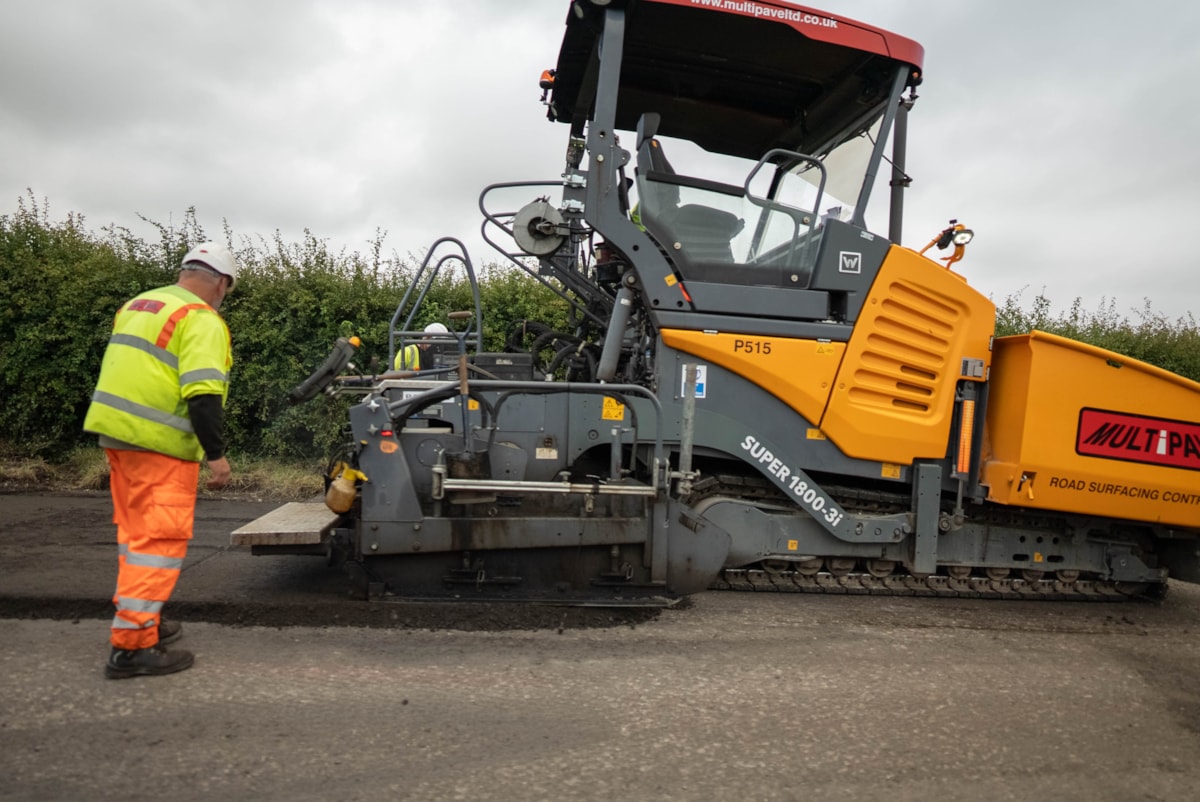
[167, 346]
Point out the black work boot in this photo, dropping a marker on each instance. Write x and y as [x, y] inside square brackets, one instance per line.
[169, 631]
[155, 660]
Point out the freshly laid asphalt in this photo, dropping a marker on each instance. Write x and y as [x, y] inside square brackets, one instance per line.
[300, 693]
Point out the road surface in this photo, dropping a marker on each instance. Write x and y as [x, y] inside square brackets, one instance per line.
[300, 693]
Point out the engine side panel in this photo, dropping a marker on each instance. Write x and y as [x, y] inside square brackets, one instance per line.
[921, 330]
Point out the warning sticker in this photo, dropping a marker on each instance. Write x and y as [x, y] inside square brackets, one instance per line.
[613, 409]
[701, 382]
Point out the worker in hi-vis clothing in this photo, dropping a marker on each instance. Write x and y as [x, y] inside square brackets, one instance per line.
[409, 357]
[159, 410]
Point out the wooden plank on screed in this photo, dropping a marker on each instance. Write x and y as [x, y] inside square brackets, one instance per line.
[295, 523]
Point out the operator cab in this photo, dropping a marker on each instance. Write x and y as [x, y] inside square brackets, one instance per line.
[759, 132]
[764, 230]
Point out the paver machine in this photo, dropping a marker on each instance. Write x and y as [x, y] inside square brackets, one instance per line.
[755, 389]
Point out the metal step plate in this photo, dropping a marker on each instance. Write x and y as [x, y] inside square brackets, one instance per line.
[295, 523]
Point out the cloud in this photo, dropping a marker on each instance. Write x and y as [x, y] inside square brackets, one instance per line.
[1062, 133]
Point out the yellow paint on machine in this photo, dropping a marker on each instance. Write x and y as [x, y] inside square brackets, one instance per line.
[798, 372]
[1076, 428]
[894, 395]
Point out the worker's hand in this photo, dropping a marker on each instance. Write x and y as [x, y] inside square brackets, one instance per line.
[221, 473]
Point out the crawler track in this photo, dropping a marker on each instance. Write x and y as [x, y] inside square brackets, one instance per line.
[759, 580]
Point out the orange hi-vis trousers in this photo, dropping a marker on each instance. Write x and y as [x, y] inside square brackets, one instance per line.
[154, 506]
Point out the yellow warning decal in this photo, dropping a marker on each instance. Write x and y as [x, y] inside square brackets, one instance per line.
[1038, 557]
[793, 545]
[472, 404]
[816, 434]
[671, 280]
[613, 409]
[889, 470]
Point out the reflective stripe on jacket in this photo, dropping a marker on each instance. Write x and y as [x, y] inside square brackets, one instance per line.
[167, 346]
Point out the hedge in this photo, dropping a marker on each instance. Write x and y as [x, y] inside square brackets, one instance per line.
[61, 283]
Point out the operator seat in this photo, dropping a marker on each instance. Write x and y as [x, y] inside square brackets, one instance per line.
[691, 233]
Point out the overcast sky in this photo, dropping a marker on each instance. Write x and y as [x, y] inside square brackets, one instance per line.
[1064, 133]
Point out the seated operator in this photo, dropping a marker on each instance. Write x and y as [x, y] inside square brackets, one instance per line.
[409, 357]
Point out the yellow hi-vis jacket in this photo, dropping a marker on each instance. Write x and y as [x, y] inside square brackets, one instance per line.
[167, 346]
[408, 359]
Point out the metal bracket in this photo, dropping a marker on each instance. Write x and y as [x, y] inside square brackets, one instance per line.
[927, 493]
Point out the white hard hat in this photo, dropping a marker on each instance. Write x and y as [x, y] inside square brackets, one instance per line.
[216, 256]
[436, 328]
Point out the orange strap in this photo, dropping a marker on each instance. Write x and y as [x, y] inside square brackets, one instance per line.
[168, 329]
